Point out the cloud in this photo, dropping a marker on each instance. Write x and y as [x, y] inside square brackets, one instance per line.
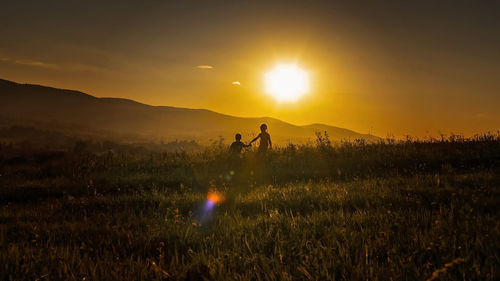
[29, 62]
[236, 83]
[205, 67]
[36, 63]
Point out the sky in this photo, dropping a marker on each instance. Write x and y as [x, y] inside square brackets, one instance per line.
[390, 68]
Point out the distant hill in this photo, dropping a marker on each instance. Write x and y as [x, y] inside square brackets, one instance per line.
[82, 114]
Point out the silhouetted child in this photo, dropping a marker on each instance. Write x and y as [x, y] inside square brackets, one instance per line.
[265, 139]
[237, 146]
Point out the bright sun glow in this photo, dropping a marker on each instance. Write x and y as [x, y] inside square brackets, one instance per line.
[287, 82]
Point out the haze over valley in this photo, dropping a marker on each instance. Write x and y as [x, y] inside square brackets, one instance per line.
[80, 114]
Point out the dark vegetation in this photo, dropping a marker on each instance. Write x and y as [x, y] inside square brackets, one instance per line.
[400, 210]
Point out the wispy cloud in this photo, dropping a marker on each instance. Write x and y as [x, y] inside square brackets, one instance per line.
[29, 62]
[205, 66]
[36, 63]
[236, 83]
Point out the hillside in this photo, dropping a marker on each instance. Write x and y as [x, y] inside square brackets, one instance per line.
[81, 114]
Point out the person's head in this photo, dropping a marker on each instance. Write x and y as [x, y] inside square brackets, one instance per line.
[263, 127]
[237, 137]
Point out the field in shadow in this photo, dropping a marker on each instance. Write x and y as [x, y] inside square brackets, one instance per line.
[400, 210]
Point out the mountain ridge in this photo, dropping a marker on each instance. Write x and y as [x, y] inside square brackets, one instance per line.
[29, 103]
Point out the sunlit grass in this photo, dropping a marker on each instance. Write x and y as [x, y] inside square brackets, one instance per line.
[409, 211]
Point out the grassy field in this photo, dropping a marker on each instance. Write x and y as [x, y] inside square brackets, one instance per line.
[410, 210]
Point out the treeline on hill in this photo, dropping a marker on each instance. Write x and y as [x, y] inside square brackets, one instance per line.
[26, 140]
[30, 172]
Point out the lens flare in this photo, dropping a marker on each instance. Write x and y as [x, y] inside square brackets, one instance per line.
[213, 198]
[209, 205]
[205, 214]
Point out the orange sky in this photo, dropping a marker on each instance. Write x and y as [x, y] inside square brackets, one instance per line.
[416, 67]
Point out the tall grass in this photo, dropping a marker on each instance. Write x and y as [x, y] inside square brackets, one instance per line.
[410, 210]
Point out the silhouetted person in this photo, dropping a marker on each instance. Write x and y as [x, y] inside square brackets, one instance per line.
[237, 146]
[265, 139]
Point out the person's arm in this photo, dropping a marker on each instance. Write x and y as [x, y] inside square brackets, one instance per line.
[256, 138]
[270, 144]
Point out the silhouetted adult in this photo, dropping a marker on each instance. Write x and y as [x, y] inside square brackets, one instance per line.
[265, 139]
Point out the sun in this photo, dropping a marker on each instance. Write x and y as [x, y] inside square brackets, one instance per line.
[287, 82]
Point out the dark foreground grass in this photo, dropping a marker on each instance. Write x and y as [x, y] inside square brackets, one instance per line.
[138, 218]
